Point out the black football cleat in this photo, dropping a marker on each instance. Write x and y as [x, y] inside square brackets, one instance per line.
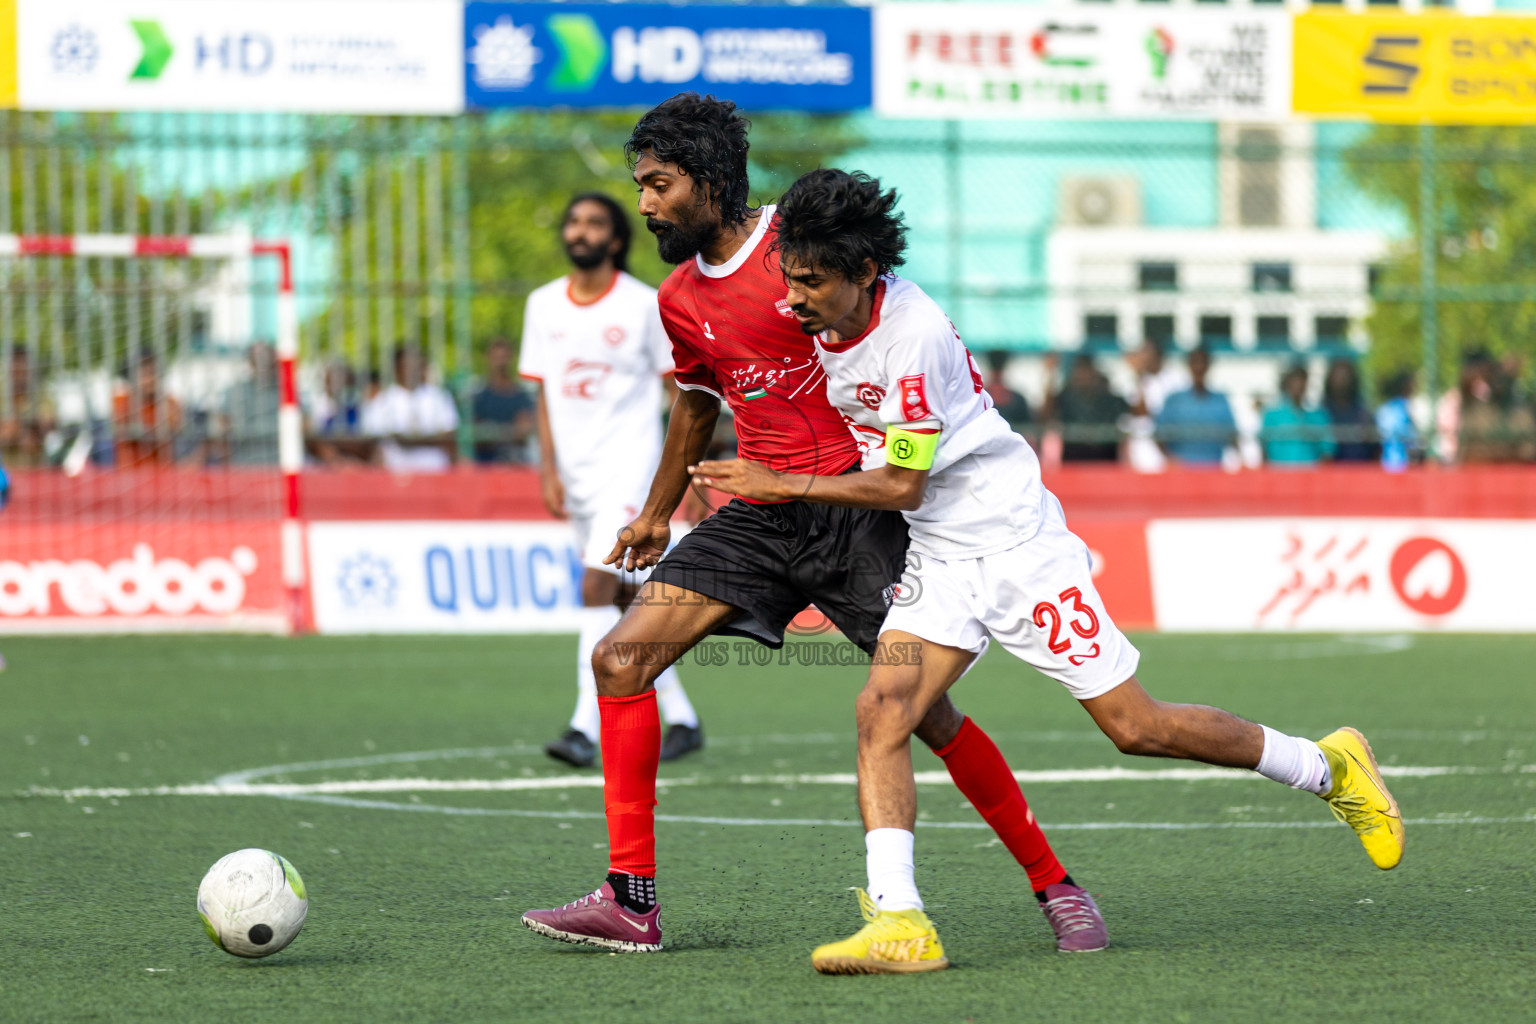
[574, 748]
[680, 740]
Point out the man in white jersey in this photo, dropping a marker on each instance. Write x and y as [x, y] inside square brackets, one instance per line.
[594, 343]
[990, 558]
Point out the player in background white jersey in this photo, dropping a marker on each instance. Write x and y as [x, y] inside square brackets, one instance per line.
[991, 558]
[594, 343]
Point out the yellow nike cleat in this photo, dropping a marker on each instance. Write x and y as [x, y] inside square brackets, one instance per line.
[1360, 799]
[891, 942]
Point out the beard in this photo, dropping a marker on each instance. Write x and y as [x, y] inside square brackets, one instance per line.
[679, 242]
[584, 256]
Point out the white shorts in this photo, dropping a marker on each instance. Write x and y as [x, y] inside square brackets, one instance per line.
[1036, 599]
[597, 533]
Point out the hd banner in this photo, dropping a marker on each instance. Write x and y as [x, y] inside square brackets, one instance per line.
[1417, 68]
[628, 55]
[1005, 61]
[305, 56]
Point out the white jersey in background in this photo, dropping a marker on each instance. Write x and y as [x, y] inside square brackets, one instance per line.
[600, 364]
[909, 367]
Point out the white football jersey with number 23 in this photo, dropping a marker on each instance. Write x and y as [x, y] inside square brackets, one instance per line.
[910, 367]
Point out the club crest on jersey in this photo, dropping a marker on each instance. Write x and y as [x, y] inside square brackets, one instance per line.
[870, 394]
[782, 306]
[614, 336]
[914, 398]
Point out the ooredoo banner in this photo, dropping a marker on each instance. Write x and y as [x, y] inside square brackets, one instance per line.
[1328, 575]
[129, 577]
[978, 60]
[444, 577]
[769, 56]
[309, 56]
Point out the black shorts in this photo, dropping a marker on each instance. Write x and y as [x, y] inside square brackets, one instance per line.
[773, 560]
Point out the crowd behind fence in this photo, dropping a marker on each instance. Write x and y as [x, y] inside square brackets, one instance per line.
[1154, 410]
[417, 239]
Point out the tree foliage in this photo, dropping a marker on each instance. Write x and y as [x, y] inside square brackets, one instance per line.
[1484, 232]
[531, 164]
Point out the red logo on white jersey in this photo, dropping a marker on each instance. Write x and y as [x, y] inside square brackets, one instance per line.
[914, 398]
[615, 336]
[871, 394]
[583, 380]
[865, 437]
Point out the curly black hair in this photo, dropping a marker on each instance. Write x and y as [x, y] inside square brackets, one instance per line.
[704, 136]
[835, 220]
[622, 229]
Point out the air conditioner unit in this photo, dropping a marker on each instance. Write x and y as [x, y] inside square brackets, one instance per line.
[1099, 202]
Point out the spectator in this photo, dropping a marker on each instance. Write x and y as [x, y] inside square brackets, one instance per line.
[26, 424]
[1089, 414]
[146, 423]
[1293, 434]
[334, 420]
[502, 412]
[1013, 406]
[1353, 433]
[248, 421]
[1155, 381]
[414, 420]
[1196, 425]
[334, 412]
[1495, 426]
[1400, 442]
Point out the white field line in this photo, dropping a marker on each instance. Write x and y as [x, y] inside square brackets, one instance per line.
[593, 781]
[687, 819]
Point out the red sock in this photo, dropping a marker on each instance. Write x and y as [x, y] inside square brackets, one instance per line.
[631, 754]
[978, 768]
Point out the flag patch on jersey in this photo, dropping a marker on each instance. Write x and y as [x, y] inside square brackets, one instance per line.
[914, 398]
[754, 393]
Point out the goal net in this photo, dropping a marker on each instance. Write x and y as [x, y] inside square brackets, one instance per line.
[149, 434]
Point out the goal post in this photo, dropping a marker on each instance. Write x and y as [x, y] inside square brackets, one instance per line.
[46, 590]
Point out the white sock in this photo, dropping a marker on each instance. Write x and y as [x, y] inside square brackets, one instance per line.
[675, 706]
[595, 624]
[1294, 761]
[888, 859]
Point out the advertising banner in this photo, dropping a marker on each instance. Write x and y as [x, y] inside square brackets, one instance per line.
[1331, 575]
[976, 60]
[629, 55]
[1417, 68]
[165, 575]
[444, 577]
[7, 53]
[1119, 552]
[308, 56]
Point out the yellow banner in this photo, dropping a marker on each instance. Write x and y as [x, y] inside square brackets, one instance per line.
[1416, 68]
[7, 53]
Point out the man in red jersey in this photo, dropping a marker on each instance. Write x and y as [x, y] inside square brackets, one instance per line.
[751, 567]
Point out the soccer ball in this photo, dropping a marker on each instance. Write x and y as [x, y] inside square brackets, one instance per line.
[252, 903]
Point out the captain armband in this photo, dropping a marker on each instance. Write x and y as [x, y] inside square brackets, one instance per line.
[910, 449]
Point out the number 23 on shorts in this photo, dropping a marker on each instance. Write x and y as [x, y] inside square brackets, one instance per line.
[1083, 622]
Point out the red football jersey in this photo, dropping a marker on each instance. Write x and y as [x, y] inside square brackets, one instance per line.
[734, 336]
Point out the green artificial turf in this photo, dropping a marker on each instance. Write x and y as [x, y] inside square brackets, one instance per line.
[413, 913]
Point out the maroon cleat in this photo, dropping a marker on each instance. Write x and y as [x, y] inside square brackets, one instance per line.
[1075, 919]
[596, 920]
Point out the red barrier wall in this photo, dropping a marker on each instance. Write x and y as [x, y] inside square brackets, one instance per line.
[512, 492]
[1087, 493]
